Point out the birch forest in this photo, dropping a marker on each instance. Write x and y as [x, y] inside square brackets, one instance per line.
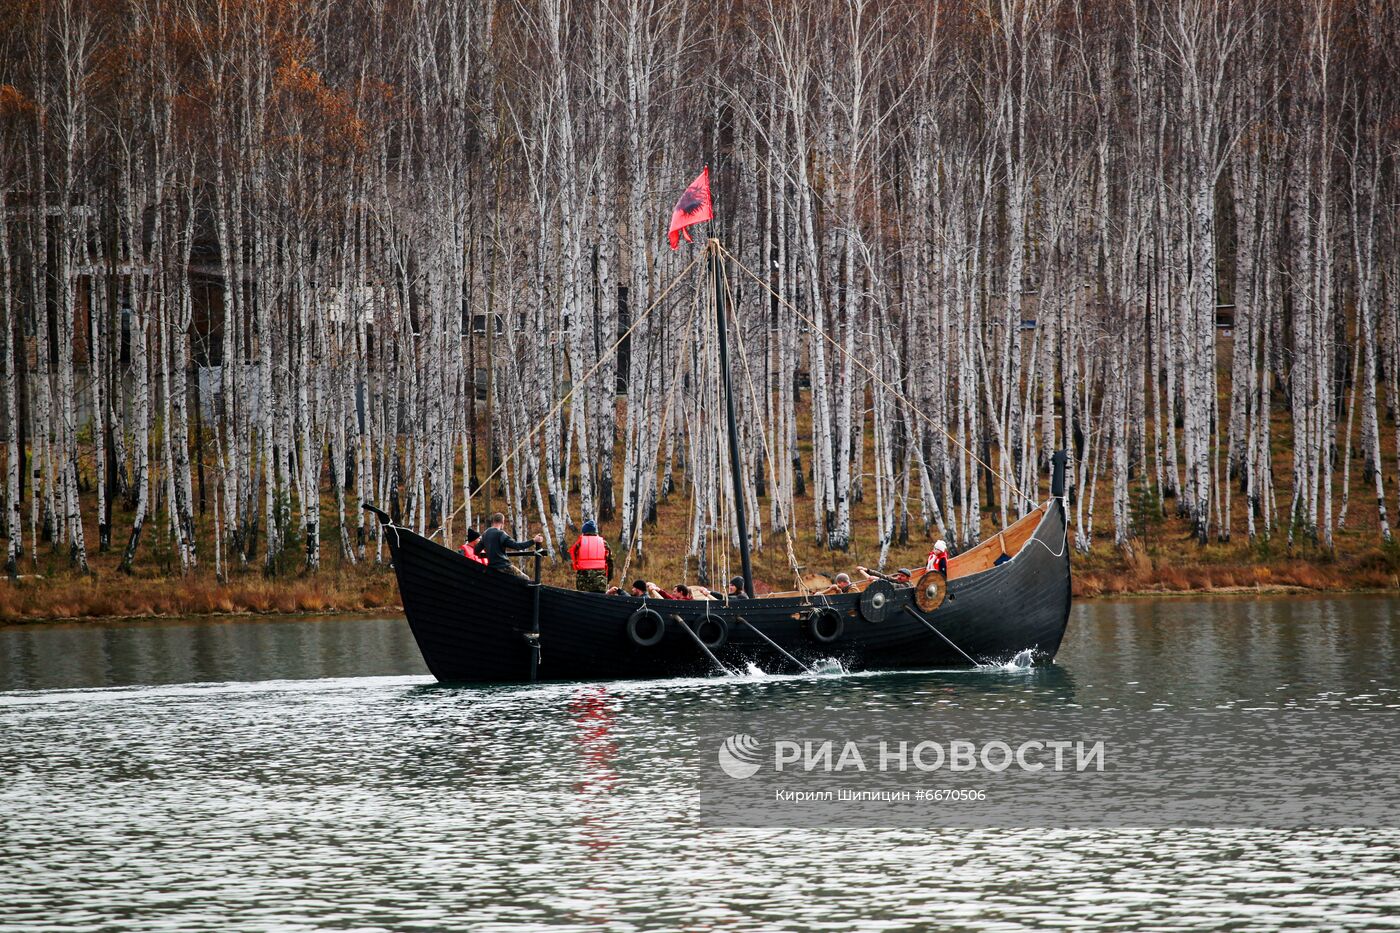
[262, 261]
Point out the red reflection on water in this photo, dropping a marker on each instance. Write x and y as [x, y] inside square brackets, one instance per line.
[594, 710]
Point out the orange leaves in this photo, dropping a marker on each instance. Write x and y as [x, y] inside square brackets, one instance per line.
[311, 110]
[296, 76]
[14, 102]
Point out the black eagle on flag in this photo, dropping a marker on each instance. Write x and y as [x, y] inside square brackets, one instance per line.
[693, 208]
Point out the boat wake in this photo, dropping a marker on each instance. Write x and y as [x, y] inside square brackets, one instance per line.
[1023, 660]
[825, 667]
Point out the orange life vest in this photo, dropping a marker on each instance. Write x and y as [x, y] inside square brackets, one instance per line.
[590, 552]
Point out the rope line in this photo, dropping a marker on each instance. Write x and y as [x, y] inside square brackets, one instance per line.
[787, 520]
[875, 376]
[1064, 540]
[635, 542]
[933, 628]
[567, 396]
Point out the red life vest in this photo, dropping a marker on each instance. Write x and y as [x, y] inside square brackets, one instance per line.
[938, 560]
[590, 552]
[470, 553]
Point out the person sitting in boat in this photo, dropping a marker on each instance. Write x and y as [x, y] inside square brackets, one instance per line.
[735, 590]
[899, 577]
[469, 548]
[841, 585]
[648, 590]
[593, 560]
[495, 542]
[681, 592]
[938, 557]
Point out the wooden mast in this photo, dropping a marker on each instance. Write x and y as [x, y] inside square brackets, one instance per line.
[717, 282]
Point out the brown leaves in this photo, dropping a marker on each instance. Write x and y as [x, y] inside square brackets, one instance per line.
[14, 102]
[306, 102]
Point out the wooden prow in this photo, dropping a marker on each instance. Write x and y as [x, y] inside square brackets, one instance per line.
[1008, 541]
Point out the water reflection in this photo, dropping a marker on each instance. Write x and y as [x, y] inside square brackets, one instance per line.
[593, 713]
[48, 656]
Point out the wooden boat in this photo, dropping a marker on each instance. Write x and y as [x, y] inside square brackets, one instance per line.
[1009, 594]
[478, 625]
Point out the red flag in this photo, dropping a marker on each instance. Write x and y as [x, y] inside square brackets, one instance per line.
[692, 208]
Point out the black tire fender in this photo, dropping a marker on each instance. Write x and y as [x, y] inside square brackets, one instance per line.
[825, 625]
[713, 631]
[646, 627]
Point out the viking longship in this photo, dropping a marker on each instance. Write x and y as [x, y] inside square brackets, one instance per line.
[1006, 597]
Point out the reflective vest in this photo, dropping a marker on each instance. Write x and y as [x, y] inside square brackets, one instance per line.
[470, 553]
[590, 552]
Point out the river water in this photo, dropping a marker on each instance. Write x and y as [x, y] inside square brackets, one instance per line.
[309, 775]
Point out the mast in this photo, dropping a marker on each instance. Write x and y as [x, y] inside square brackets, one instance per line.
[717, 282]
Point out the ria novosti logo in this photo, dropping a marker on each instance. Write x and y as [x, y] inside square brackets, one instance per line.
[739, 756]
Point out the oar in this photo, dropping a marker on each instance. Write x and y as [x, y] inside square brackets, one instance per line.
[775, 645]
[909, 608]
[696, 638]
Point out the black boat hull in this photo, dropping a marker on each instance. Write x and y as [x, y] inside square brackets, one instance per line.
[473, 624]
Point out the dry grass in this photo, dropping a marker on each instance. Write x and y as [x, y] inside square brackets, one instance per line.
[116, 596]
[1374, 569]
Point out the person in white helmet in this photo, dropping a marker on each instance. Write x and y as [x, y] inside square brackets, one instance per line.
[938, 557]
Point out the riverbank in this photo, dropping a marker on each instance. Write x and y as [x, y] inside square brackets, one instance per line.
[116, 597]
[1223, 569]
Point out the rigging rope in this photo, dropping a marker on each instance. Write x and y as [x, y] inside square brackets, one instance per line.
[564, 400]
[777, 498]
[667, 411]
[873, 375]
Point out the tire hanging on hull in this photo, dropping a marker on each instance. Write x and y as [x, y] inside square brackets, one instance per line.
[646, 628]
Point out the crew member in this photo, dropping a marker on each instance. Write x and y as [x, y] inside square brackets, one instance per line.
[495, 542]
[593, 560]
[938, 557]
[734, 591]
[469, 548]
[645, 588]
[899, 577]
[681, 592]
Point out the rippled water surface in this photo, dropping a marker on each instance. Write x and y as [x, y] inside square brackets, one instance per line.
[309, 775]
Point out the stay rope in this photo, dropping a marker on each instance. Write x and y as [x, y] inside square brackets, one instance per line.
[574, 387]
[767, 450]
[873, 375]
[667, 410]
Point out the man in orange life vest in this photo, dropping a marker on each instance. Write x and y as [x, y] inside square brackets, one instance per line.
[593, 562]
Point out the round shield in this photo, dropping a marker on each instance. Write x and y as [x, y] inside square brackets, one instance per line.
[876, 601]
[930, 590]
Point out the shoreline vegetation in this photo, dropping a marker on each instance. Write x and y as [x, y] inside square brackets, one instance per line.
[314, 608]
[116, 597]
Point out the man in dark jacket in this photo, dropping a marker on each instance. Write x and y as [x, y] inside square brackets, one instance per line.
[495, 542]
